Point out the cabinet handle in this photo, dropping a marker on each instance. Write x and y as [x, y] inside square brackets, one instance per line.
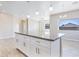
[24, 44]
[16, 40]
[38, 51]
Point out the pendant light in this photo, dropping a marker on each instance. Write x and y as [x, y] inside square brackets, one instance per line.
[51, 7]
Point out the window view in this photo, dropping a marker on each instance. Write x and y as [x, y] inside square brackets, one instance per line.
[69, 24]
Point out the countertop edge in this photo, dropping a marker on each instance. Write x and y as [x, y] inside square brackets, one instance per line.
[38, 37]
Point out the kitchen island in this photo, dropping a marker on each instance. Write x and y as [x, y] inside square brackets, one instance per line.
[38, 46]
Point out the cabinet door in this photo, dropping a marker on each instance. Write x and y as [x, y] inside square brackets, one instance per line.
[43, 51]
[39, 51]
[43, 47]
[33, 51]
[20, 42]
[40, 42]
[17, 43]
[26, 43]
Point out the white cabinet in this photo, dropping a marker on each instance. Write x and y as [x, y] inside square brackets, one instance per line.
[38, 51]
[36, 47]
[19, 41]
[26, 45]
[23, 43]
[34, 51]
[43, 51]
[40, 47]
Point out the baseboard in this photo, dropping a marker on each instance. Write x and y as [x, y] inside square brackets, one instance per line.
[72, 40]
[21, 52]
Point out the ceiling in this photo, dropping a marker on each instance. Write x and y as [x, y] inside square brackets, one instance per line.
[24, 8]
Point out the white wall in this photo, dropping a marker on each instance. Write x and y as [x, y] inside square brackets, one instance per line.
[6, 25]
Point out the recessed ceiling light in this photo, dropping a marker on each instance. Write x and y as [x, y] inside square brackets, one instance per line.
[51, 8]
[37, 13]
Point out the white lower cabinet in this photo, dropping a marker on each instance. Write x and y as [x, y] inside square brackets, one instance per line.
[19, 41]
[37, 51]
[43, 52]
[41, 48]
[33, 51]
[27, 45]
[34, 47]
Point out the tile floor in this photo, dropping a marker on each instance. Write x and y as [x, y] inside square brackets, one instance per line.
[70, 48]
[8, 48]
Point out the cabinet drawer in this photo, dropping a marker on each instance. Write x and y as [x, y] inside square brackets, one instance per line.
[18, 36]
[40, 42]
[26, 38]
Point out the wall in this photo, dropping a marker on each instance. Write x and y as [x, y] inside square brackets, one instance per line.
[6, 25]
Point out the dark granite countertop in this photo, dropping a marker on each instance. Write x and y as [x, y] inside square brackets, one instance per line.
[41, 37]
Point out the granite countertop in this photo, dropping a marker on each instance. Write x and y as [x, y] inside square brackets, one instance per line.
[43, 37]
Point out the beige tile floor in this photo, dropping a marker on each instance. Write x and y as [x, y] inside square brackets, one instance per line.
[70, 48]
[8, 48]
